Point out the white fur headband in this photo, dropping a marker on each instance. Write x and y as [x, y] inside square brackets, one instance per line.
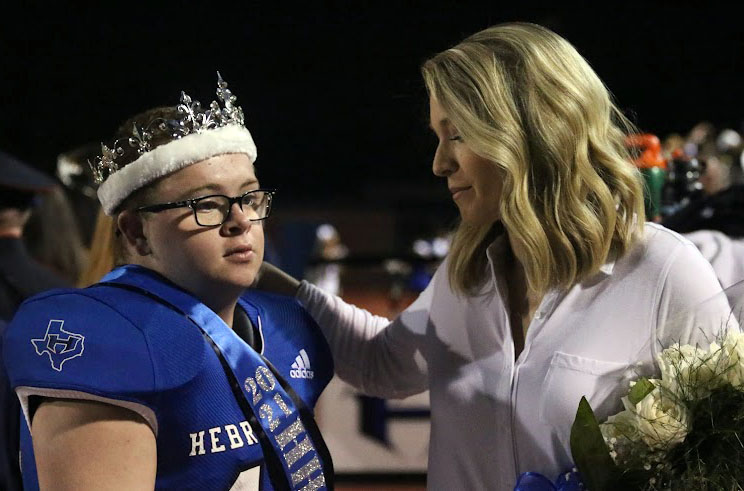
[172, 156]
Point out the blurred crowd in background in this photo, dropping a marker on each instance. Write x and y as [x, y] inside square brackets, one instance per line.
[694, 185]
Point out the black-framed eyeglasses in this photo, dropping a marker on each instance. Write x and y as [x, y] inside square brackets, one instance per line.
[213, 210]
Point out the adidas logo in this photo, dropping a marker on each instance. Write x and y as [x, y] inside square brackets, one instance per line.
[301, 366]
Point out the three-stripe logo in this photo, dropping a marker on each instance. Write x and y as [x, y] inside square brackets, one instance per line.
[301, 366]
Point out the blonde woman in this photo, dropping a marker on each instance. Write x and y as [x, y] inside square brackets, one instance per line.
[554, 287]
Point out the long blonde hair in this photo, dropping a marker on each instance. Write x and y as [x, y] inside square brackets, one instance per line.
[104, 249]
[522, 97]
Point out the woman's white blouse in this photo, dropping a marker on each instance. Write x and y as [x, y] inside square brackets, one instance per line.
[492, 417]
[724, 253]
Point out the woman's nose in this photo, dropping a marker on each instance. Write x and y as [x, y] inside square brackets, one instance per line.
[444, 163]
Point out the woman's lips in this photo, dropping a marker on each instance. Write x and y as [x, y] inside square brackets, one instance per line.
[457, 192]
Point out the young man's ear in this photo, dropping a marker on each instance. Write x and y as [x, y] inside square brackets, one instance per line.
[130, 225]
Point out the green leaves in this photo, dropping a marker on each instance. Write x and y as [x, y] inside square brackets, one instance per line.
[590, 452]
[641, 389]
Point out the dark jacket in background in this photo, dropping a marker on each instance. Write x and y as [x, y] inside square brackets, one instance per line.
[723, 211]
[10, 472]
[20, 277]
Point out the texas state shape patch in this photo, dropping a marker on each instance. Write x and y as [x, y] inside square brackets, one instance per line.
[58, 344]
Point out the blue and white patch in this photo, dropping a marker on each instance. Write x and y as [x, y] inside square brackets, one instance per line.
[59, 344]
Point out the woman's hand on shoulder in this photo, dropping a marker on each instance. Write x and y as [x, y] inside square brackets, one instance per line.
[274, 280]
[91, 445]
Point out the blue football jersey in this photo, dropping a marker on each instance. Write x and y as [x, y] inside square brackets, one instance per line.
[225, 415]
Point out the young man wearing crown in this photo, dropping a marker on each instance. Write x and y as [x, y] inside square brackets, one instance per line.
[170, 372]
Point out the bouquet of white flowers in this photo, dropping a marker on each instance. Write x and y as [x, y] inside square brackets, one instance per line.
[681, 428]
[684, 430]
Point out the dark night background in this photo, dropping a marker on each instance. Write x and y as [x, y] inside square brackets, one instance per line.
[332, 93]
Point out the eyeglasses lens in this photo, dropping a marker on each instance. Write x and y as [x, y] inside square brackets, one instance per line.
[214, 210]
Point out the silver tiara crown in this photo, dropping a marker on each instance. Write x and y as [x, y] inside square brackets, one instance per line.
[193, 119]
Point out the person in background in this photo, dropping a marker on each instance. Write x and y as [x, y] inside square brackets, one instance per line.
[53, 237]
[553, 288]
[20, 275]
[75, 173]
[20, 278]
[328, 253]
[170, 373]
[103, 250]
[723, 163]
[714, 219]
[672, 144]
[10, 471]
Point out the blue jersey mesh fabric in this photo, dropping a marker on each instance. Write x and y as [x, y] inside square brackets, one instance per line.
[128, 348]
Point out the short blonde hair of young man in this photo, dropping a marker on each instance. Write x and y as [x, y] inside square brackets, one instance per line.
[522, 97]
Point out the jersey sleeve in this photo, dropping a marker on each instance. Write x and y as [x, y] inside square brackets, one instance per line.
[66, 344]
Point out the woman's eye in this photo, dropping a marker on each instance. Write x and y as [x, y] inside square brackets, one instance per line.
[456, 138]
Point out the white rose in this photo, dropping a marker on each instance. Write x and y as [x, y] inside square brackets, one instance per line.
[689, 372]
[623, 425]
[733, 352]
[662, 421]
